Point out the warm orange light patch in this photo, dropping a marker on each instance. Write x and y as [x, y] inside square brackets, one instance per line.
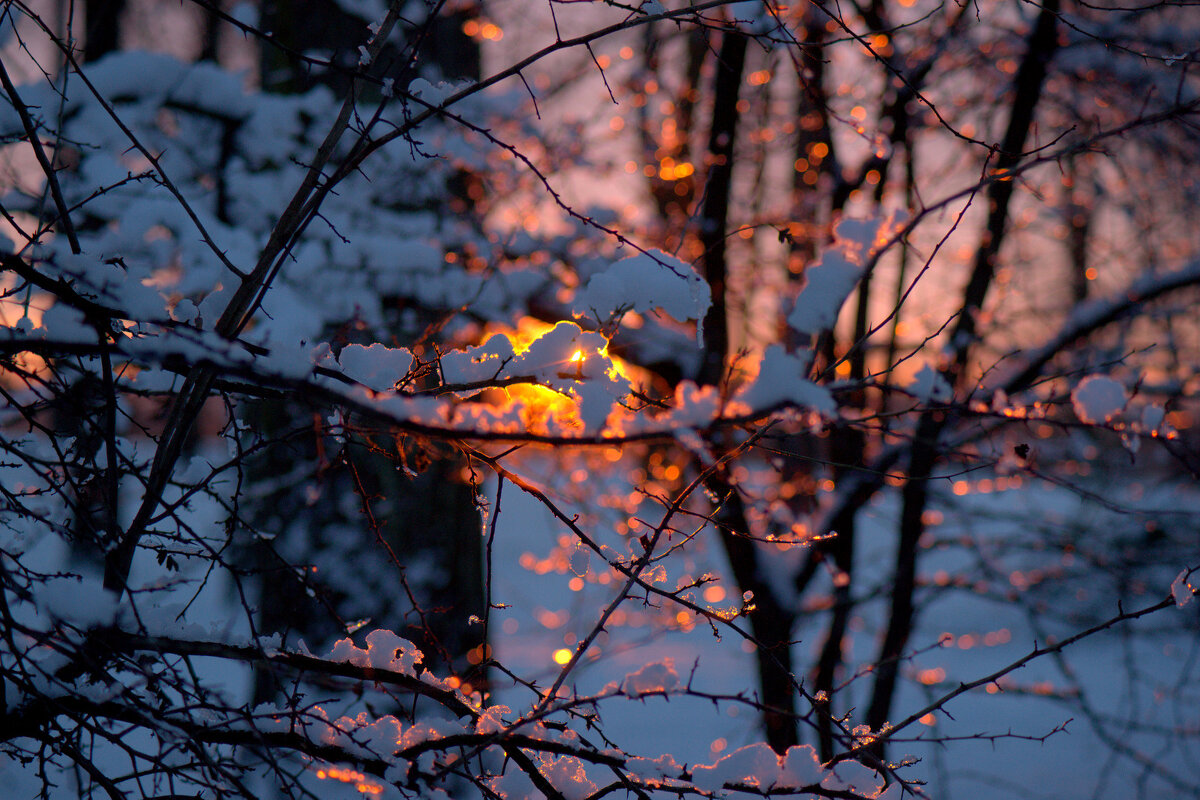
[670, 170]
[477, 654]
[528, 330]
[931, 676]
[361, 782]
[544, 409]
[12, 312]
[562, 656]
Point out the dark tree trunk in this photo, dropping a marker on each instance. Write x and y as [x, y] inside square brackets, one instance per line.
[771, 622]
[714, 213]
[402, 519]
[102, 34]
[1027, 92]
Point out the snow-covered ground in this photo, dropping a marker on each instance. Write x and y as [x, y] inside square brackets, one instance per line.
[1025, 738]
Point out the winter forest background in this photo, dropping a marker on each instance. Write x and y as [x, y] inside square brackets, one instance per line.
[551, 398]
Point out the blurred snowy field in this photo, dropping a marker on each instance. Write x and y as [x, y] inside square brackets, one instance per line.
[1025, 740]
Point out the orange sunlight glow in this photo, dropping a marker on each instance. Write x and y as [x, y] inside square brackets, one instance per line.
[360, 781]
[543, 409]
[12, 312]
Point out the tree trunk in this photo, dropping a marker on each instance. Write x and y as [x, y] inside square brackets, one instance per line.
[421, 526]
[925, 452]
[102, 33]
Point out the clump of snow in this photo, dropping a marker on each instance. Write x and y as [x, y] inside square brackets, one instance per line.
[645, 282]
[657, 678]
[492, 720]
[185, 311]
[435, 95]
[370, 736]
[801, 767]
[430, 730]
[851, 776]
[1152, 417]
[512, 785]
[753, 765]
[929, 385]
[567, 359]
[568, 776]
[1181, 590]
[781, 381]
[833, 277]
[385, 650]
[662, 767]
[1098, 399]
[757, 765]
[475, 364]
[82, 601]
[377, 367]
